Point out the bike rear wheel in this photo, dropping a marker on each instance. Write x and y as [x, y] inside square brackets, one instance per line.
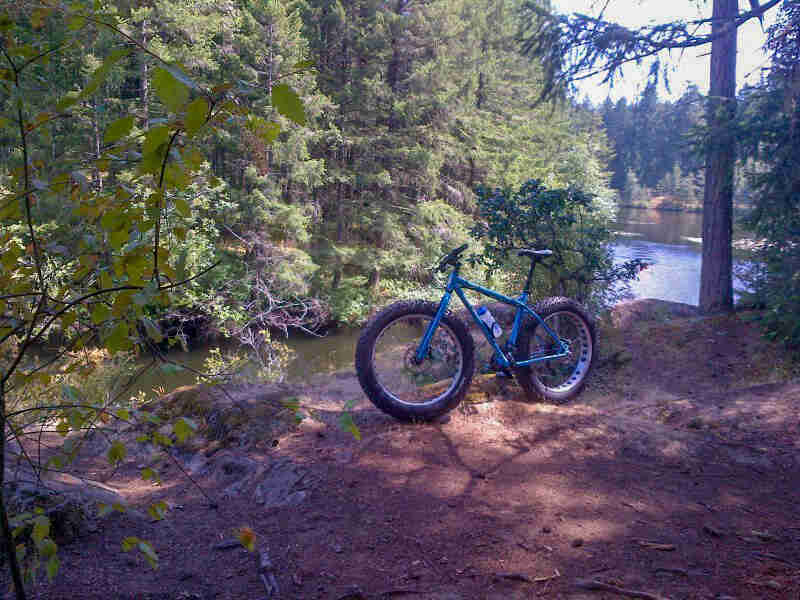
[391, 376]
[558, 379]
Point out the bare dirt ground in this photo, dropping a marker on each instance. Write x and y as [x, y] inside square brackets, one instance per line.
[673, 475]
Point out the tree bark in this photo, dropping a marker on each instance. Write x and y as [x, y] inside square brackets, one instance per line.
[10, 546]
[716, 274]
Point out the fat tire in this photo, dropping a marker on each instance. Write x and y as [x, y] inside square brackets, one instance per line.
[368, 379]
[526, 376]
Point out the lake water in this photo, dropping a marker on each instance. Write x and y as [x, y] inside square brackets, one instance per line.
[668, 241]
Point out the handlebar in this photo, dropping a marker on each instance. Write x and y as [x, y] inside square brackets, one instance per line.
[451, 258]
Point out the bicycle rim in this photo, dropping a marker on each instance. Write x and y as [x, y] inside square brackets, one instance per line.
[561, 376]
[398, 374]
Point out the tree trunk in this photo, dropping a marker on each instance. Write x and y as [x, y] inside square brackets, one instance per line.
[374, 279]
[144, 75]
[716, 275]
[9, 545]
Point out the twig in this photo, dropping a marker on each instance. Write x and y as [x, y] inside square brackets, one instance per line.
[514, 577]
[673, 570]
[266, 573]
[548, 578]
[598, 586]
[775, 557]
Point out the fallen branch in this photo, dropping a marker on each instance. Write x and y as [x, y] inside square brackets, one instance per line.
[672, 570]
[228, 544]
[266, 573]
[556, 574]
[657, 546]
[514, 577]
[775, 557]
[599, 586]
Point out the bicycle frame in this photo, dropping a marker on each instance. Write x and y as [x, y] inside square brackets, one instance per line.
[457, 284]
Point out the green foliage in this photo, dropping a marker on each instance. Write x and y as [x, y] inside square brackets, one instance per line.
[99, 193]
[146, 550]
[35, 549]
[770, 134]
[566, 221]
[654, 147]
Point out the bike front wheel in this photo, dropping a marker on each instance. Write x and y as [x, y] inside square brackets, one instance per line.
[390, 374]
[558, 379]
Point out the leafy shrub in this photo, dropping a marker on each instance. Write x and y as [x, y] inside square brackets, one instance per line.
[568, 222]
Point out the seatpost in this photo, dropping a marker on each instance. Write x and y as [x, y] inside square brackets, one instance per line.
[530, 275]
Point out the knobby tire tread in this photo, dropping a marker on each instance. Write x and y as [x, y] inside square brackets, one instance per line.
[525, 376]
[366, 374]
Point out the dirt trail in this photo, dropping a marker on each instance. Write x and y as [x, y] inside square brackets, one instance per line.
[674, 475]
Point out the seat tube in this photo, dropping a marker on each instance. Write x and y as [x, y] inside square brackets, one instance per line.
[422, 350]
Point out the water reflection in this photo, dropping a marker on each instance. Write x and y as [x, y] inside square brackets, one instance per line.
[674, 272]
[670, 242]
[664, 227]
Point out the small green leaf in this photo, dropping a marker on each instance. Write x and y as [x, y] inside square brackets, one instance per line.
[117, 453]
[346, 422]
[39, 15]
[247, 538]
[288, 103]
[172, 92]
[100, 313]
[158, 510]
[101, 73]
[149, 553]
[305, 64]
[181, 76]
[69, 99]
[182, 206]
[267, 130]
[118, 239]
[155, 138]
[162, 440]
[196, 115]
[41, 529]
[183, 428]
[118, 129]
[52, 567]
[47, 548]
[75, 23]
[103, 509]
[119, 340]
[129, 542]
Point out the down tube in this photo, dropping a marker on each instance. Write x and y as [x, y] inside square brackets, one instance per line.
[426, 339]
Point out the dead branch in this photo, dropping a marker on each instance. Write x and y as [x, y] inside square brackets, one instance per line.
[594, 585]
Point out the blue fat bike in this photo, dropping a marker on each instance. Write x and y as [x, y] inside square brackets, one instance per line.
[415, 360]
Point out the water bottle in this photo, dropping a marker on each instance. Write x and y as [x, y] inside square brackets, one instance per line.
[485, 315]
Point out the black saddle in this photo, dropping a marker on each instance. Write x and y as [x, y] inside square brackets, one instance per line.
[535, 254]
